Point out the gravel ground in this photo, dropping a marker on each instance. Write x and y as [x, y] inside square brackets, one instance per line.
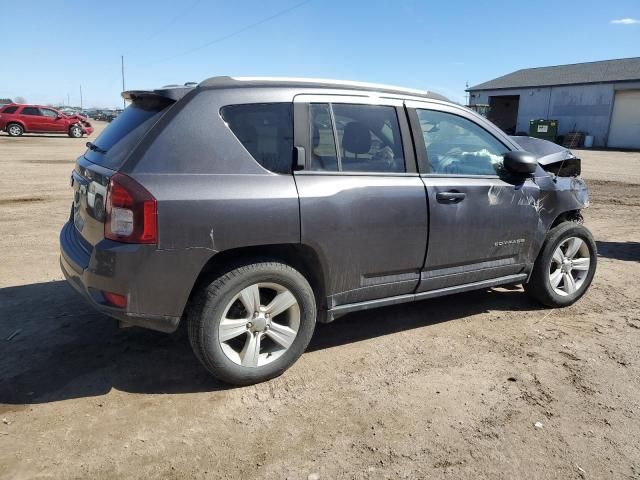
[479, 385]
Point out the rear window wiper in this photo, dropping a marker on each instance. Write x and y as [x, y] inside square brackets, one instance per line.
[95, 148]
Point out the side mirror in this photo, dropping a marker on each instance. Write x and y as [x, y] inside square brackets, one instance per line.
[520, 163]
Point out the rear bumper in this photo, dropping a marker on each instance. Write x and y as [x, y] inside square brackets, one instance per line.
[124, 269]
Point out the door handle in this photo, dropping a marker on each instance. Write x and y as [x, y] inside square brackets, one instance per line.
[450, 197]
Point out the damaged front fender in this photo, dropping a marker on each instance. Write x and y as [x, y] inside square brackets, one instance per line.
[562, 190]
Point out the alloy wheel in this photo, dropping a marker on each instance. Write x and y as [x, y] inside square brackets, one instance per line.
[569, 266]
[14, 130]
[259, 324]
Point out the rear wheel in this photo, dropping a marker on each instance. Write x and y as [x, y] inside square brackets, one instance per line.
[252, 323]
[15, 130]
[565, 266]
[75, 131]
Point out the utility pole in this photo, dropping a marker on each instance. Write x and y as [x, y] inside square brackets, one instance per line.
[124, 105]
[81, 97]
[466, 94]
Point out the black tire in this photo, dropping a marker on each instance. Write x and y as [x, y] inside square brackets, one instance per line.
[539, 286]
[15, 129]
[207, 307]
[75, 131]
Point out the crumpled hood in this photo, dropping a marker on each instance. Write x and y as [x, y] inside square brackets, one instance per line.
[545, 151]
[552, 157]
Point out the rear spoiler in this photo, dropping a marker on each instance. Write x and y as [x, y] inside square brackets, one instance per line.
[172, 93]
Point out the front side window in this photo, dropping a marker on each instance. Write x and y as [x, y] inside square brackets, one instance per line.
[265, 130]
[368, 138]
[10, 110]
[49, 113]
[31, 111]
[457, 146]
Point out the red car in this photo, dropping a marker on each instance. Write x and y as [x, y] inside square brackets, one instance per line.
[18, 119]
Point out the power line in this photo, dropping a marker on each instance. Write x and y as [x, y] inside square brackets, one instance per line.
[236, 32]
[173, 20]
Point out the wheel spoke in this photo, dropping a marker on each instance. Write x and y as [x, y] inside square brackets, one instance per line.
[555, 278]
[282, 335]
[251, 350]
[581, 264]
[569, 283]
[558, 256]
[283, 301]
[232, 328]
[573, 246]
[250, 298]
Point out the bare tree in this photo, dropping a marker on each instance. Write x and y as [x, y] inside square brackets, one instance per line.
[20, 100]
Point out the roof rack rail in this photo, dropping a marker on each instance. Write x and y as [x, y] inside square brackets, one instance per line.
[239, 82]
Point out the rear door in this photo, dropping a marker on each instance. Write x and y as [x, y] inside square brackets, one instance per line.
[362, 203]
[33, 119]
[483, 223]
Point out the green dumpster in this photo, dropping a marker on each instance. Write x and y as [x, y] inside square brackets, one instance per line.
[545, 129]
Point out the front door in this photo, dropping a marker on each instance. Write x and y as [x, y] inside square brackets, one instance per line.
[52, 122]
[483, 222]
[362, 204]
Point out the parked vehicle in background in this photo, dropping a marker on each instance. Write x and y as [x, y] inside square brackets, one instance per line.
[91, 113]
[294, 201]
[18, 119]
[110, 115]
[106, 115]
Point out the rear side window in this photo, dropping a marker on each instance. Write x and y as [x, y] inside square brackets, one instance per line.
[368, 138]
[323, 144]
[265, 130]
[31, 111]
[10, 110]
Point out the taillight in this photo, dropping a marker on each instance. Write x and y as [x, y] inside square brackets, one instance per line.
[115, 299]
[131, 212]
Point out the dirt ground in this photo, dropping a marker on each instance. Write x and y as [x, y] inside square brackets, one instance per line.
[446, 388]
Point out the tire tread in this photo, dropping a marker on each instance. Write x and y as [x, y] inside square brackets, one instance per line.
[211, 291]
[537, 287]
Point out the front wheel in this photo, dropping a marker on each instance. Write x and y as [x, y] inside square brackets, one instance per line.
[75, 131]
[252, 323]
[565, 266]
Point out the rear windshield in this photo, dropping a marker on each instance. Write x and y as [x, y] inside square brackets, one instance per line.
[118, 139]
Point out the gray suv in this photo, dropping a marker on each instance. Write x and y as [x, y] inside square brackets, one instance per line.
[252, 208]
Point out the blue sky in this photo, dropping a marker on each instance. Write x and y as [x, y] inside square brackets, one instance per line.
[427, 45]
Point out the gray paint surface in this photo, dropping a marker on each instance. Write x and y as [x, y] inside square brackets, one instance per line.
[376, 237]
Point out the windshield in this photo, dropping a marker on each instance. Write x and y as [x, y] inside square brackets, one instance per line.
[113, 145]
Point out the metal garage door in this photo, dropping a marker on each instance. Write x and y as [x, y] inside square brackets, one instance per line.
[625, 121]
